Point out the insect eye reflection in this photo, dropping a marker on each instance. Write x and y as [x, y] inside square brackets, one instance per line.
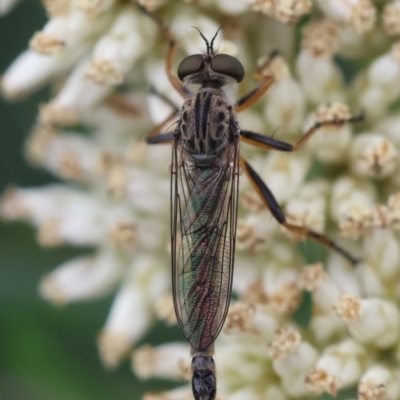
[228, 65]
[220, 63]
[190, 65]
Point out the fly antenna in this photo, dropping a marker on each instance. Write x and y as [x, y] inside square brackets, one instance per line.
[208, 44]
[212, 40]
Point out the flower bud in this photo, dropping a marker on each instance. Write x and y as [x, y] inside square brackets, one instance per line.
[339, 366]
[308, 207]
[250, 320]
[146, 282]
[292, 360]
[359, 14]
[380, 382]
[373, 155]
[116, 52]
[285, 106]
[168, 361]
[373, 321]
[31, 70]
[391, 18]
[351, 205]
[286, 11]
[322, 81]
[83, 278]
[374, 89]
[68, 31]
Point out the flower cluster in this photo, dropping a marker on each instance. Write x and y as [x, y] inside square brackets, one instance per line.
[102, 56]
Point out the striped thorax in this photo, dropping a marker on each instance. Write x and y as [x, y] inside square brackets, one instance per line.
[207, 126]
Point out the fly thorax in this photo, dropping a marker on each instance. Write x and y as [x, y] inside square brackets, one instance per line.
[207, 126]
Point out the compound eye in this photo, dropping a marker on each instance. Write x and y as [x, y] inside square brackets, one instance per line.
[228, 65]
[190, 65]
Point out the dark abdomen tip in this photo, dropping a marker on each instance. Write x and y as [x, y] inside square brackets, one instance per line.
[204, 382]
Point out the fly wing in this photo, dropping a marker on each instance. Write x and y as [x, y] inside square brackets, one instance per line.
[203, 222]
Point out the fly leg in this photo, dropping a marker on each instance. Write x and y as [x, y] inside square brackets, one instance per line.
[250, 98]
[165, 138]
[165, 99]
[270, 143]
[266, 81]
[175, 82]
[154, 136]
[270, 201]
[266, 194]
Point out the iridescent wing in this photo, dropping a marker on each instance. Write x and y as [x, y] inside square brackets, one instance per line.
[203, 222]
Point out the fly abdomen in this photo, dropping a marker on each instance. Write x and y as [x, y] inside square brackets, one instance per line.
[204, 382]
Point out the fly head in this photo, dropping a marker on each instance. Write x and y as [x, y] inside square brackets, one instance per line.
[210, 69]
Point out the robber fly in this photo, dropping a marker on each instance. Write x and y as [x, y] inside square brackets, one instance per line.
[204, 194]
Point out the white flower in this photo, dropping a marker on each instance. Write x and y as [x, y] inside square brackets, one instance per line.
[146, 281]
[169, 361]
[379, 382]
[250, 320]
[339, 366]
[292, 360]
[390, 17]
[324, 323]
[285, 102]
[359, 14]
[374, 89]
[68, 31]
[288, 11]
[373, 155]
[321, 79]
[83, 278]
[115, 53]
[279, 169]
[381, 249]
[308, 208]
[351, 199]
[31, 70]
[372, 320]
